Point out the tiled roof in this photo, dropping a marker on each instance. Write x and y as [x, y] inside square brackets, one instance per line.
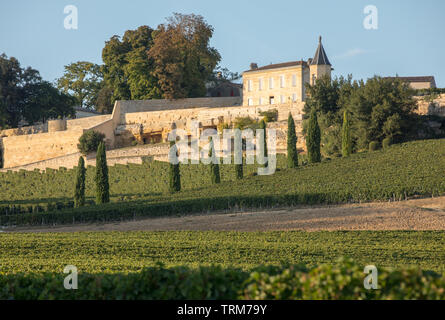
[320, 57]
[279, 65]
[417, 79]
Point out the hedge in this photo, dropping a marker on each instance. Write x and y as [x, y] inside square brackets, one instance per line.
[344, 281]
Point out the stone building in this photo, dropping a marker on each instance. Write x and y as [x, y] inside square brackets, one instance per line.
[283, 83]
[423, 82]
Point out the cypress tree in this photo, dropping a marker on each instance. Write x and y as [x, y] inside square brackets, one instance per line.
[264, 142]
[79, 193]
[214, 164]
[102, 185]
[174, 173]
[346, 145]
[238, 150]
[313, 139]
[292, 154]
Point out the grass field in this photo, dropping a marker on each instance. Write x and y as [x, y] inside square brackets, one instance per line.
[111, 252]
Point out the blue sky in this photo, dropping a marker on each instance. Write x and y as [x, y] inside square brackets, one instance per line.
[409, 40]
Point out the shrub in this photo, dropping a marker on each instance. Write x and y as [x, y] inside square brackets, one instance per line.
[313, 139]
[270, 115]
[102, 185]
[374, 145]
[386, 142]
[79, 193]
[292, 154]
[245, 122]
[89, 141]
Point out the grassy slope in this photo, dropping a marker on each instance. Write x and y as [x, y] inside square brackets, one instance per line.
[411, 168]
[131, 251]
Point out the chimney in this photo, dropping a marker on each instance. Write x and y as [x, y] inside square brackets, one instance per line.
[253, 66]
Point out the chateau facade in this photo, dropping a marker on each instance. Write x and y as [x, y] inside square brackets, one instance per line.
[283, 83]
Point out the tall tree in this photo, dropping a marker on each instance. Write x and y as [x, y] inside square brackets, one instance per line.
[83, 80]
[102, 185]
[128, 71]
[346, 136]
[313, 139]
[79, 193]
[174, 171]
[214, 163]
[238, 151]
[25, 96]
[263, 143]
[292, 154]
[182, 55]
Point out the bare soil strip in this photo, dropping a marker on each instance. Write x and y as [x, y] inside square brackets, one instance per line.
[418, 214]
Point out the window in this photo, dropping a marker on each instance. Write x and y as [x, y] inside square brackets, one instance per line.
[294, 80]
[294, 97]
[270, 83]
[249, 85]
[281, 81]
[250, 102]
[261, 101]
[272, 100]
[261, 84]
[282, 99]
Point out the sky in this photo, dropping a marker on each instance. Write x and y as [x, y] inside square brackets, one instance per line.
[408, 40]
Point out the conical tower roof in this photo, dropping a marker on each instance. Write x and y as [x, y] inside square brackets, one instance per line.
[320, 57]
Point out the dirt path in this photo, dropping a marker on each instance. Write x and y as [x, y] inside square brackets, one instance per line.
[419, 214]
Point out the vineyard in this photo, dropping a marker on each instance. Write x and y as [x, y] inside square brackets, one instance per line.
[222, 265]
[399, 172]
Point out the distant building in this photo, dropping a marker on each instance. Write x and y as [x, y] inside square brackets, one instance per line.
[224, 89]
[283, 83]
[424, 82]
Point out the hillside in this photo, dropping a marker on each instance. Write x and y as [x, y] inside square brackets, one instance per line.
[402, 171]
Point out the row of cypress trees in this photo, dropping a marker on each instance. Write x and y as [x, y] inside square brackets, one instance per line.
[313, 146]
[101, 179]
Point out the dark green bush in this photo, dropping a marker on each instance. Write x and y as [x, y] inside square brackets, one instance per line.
[339, 282]
[386, 142]
[270, 115]
[89, 141]
[374, 145]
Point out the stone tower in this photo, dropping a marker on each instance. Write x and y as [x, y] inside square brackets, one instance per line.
[320, 65]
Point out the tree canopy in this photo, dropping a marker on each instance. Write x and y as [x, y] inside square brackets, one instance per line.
[377, 108]
[25, 96]
[82, 80]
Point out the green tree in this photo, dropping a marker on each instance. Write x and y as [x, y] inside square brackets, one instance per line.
[79, 193]
[182, 55]
[174, 171]
[128, 71]
[263, 144]
[238, 151]
[104, 102]
[313, 139]
[214, 163]
[346, 136]
[83, 80]
[89, 141]
[102, 185]
[25, 96]
[292, 153]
